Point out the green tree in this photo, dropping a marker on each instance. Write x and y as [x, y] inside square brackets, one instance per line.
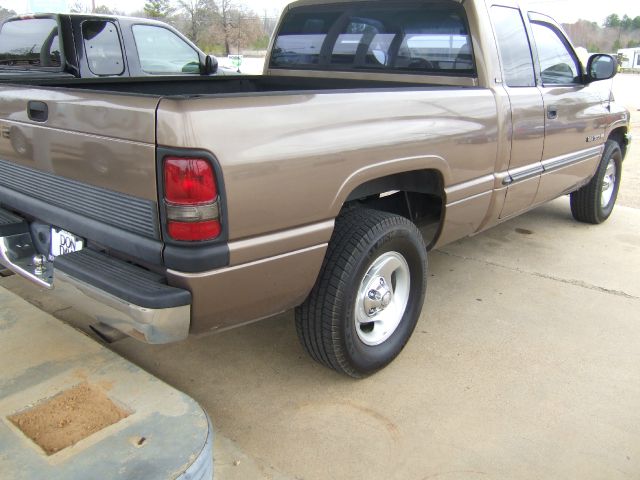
[626, 22]
[6, 13]
[160, 9]
[612, 21]
[225, 8]
[78, 7]
[636, 23]
[617, 45]
[104, 10]
[199, 15]
[633, 43]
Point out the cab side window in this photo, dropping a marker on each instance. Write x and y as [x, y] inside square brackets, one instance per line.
[513, 43]
[102, 47]
[558, 64]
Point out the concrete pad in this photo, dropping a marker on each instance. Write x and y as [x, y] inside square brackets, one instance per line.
[547, 242]
[166, 434]
[524, 365]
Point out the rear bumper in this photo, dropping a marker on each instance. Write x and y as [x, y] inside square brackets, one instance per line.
[112, 292]
[139, 303]
[150, 325]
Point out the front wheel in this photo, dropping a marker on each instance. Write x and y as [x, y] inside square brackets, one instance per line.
[594, 202]
[368, 297]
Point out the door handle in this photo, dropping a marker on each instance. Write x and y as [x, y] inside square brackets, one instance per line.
[552, 112]
[37, 111]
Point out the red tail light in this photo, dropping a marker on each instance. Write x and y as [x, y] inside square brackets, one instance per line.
[189, 181]
[191, 198]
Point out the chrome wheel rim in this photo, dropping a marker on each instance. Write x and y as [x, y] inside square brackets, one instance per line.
[382, 298]
[608, 184]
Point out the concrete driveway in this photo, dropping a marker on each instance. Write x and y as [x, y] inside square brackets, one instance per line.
[525, 365]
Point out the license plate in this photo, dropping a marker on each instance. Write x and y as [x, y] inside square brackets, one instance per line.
[63, 242]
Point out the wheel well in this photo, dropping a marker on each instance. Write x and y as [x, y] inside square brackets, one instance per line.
[417, 195]
[620, 136]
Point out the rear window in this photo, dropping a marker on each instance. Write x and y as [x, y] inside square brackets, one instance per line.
[428, 38]
[30, 43]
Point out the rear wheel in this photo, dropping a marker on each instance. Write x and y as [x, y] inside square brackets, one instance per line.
[368, 297]
[594, 202]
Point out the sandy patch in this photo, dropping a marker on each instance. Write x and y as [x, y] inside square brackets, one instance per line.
[65, 419]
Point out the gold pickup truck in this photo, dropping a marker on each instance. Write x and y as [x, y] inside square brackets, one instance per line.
[379, 130]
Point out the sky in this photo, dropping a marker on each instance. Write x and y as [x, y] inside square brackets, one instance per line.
[565, 11]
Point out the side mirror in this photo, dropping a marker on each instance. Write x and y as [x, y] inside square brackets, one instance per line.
[601, 67]
[210, 65]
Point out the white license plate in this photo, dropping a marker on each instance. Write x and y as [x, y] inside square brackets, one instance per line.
[63, 242]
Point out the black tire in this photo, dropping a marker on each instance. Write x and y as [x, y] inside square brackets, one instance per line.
[586, 203]
[326, 322]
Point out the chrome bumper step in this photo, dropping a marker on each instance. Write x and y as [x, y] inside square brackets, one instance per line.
[121, 279]
[115, 293]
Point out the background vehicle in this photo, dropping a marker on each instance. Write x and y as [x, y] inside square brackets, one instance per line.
[169, 206]
[96, 46]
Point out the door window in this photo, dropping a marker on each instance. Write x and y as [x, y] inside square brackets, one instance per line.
[163, 52]
[558, 65]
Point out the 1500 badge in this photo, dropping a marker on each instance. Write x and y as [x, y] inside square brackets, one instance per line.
[594, 138]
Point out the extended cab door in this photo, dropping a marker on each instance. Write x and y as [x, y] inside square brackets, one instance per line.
[574, 112]
[527, 110]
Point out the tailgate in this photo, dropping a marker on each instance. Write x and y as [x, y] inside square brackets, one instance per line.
[82, 161]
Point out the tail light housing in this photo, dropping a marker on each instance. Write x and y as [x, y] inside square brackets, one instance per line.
[191, 199]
